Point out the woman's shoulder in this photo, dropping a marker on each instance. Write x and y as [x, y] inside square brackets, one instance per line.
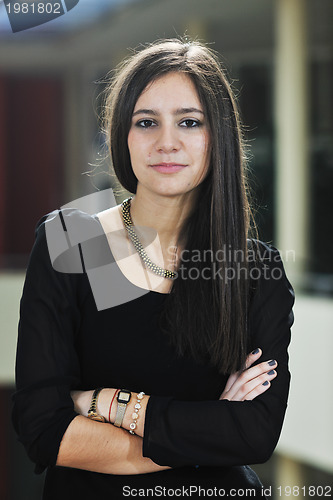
[70, 220]
[261, 251]
[266, 272]
[78, 224]
[265, 262]
[63, 233]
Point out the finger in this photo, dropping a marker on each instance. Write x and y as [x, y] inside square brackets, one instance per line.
[230, 382]
[260, 389]
[246, 389]
[255, 387]
[250, 374]
[252, 357]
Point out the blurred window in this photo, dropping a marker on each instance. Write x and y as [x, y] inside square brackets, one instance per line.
[255, 100]
[255, 88]
[321, 177]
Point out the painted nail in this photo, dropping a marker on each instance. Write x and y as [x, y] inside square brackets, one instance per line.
[271, 372]
[265, 383]
[255, 351]
[272, 362]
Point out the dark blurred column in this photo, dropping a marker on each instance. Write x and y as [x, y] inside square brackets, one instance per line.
[3, 143]
[291, 125]
[35, 158]
[4, 470]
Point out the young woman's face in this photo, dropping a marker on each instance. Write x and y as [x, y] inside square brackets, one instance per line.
[169, 140]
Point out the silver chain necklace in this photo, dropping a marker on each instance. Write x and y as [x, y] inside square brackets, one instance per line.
[128, 223]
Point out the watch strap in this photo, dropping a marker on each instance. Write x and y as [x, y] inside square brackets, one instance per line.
[120, 414]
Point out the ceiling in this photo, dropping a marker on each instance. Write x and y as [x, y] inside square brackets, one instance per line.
[95, 30]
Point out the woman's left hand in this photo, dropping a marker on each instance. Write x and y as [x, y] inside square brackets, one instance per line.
[250, 383]
[81, 401]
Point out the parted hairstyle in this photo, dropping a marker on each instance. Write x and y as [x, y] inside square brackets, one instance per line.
[206, 318]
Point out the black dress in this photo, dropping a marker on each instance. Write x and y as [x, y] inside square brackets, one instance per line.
[66, 342]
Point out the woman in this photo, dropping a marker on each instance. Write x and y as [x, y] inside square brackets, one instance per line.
[206, 296]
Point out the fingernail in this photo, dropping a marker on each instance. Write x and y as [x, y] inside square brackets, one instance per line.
[272, 362]
[271, 372]
[265, 383]
[255, 351]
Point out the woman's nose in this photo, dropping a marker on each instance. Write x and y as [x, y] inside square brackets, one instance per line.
[167, 140]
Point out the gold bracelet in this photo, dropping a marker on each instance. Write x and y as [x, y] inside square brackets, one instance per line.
[135, 414]
[92, 412]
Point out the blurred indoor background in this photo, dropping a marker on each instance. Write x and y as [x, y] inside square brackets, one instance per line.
[279, 56]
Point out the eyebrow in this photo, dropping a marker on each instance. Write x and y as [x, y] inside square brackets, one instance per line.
[179, 111]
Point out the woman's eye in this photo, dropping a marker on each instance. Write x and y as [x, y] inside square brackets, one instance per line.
[189, 123]
[145, 123]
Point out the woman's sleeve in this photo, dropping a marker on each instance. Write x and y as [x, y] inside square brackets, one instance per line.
[47, 367]
[223, 433]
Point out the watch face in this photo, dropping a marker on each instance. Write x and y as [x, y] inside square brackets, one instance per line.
[124, 396]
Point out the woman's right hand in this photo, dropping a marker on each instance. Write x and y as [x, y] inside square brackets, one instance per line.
[251, 382]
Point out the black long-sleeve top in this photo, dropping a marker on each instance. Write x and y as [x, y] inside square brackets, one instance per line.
[67, 341]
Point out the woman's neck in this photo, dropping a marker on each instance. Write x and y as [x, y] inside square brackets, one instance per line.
[164, 214]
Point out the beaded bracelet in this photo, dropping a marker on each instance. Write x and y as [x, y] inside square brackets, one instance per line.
[135, 414]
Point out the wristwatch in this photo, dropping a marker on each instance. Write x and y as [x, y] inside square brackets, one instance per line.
[123, 399]
[92, 412]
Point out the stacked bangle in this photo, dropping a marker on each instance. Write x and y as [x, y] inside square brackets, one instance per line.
[92, 412]
[135, 414]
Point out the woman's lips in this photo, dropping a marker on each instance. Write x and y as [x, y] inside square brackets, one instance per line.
[168, 168]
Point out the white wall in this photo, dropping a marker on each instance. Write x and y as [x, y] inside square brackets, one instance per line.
[307, 434]
[11, 285]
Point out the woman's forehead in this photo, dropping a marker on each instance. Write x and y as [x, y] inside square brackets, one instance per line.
[172, 89]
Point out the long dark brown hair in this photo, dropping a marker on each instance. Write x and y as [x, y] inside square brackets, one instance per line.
[204, 317]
